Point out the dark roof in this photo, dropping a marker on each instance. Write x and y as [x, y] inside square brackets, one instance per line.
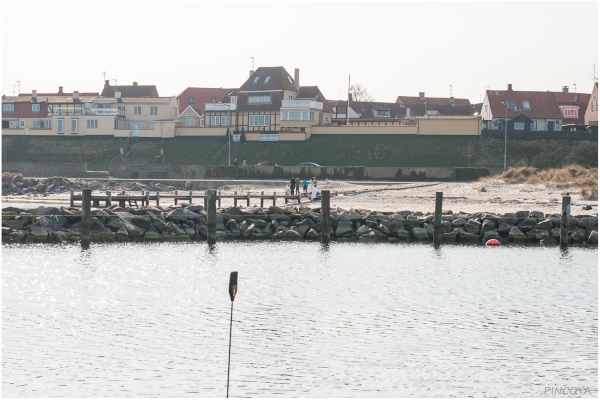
[431, 100]
[279, 80]
[542, 104]
[574, 99]
[129, 90]
[313, 92]
[366, 110]
[276, 98]
[202, 96]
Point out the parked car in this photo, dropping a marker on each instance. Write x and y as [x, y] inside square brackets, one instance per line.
[267, 164]
[308, 164]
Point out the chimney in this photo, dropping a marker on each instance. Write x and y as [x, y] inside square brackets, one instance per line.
[134, 83]
[407, 112]
[565, 89]
[251, 73]
[117, 94]
[60, 88]
[422, 96]
[451, 101]
[576, 97]
[509, 88]
[34, 93]
[297, 78]
[75, 95]
[350, 98]
[107, 83]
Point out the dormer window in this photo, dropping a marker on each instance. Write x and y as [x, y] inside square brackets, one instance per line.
[401, 105]
[290, 79]
[526, 105]
[35, 108]
[256, 80]
[267, 79]
[382, 113]
[213, 100]
[512, 104]
[259, 99]
[191, 100]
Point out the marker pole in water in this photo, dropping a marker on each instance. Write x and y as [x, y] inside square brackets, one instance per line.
[232, 292]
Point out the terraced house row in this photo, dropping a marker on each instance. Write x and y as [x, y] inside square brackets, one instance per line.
[271, 105]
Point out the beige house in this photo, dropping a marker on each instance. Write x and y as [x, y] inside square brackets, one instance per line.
[591, 113]
[146, 116]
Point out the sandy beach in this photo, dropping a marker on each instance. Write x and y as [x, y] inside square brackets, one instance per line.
[493, 196]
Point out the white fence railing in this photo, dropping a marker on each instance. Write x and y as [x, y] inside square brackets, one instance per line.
[268, 137]
[235, 138]
[219, 106]
[315, 105]
[105, 111]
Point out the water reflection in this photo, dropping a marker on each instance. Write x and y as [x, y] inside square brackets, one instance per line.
[310, 320]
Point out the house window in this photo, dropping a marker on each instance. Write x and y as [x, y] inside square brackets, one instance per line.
[8, 108]
[592, 105]
[495, 123]
[35, 108]
[326, 119]
[485, 108]
[290, 79]
[225, 120]
[137, 110]
[91, 123]
[256, 80]
[73, 125]
[215, 120]
[48, 124]
[259, 120]
[401, 105]
[60, 125]
[341, 110]
[202, 122]
[519, 126]
[261, 99]
[267, 79]
[290, 97]
[22, 123]
[526, 105]
[191, 100]
[383, 113]
[151, 125]
[213, 100]
[78, 108]
[127, 125]
[571, 112]
[534, 125]
[36, 124]
[512, 104]
[137, 126]
[189, 121]
[233, 100]
[153, 110]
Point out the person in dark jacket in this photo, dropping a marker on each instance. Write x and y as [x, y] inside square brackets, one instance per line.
[292, 184]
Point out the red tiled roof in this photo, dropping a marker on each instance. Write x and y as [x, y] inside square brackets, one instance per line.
[543, 104]
[574, 99]
[280, 80]
[431, 101]
[201, 96]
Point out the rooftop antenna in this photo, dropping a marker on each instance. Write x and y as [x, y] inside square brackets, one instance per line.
[595, 77]
[574, 88]
[450, 90]
[252, 58]
[19, 86]
[103, 76]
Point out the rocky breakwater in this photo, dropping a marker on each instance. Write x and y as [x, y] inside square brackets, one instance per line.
[189, 222]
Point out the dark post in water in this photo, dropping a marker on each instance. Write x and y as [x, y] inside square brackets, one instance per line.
[212, 217]
[232, 292]
[325, 216]
[86, 201]
[437, 219]
[564, 221]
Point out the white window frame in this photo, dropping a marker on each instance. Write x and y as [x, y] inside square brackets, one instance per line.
[189, 121]
[215, 120]
[73, 125]
[233, 99]
[35, 108]
[526, 105]
[60, 125]
[151, 126]
[35, 124]
[256, 80]
[91, 123]
[191, 100]
[202, 123]
[224, 120]
[513, 106]
[77, 107]
[8, 107]
[137, 110]
[153, 110]
[48, 124]
[260, 99]
[259, 120]
[126, 125]
[22, 123]
[534, 125]
[519, 126]
[137, 126]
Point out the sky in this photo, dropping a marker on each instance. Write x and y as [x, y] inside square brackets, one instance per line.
[392, 48]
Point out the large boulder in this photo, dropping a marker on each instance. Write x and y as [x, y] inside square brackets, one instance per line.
[516, 235]
[488, 225]
[39, 234]
[544, 224]
[344, 228]
[593, 238]
[132, 229]
[14, 224]
[142, 221]
[528, 224]
[466, 236]
[181, 215]
[459, 222]
[536, 214]
[450, 236]
[420, 234]
[578, 236]
[472, 226]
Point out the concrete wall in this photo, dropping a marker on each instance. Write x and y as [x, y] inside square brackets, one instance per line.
[192, 172]
[362, 130]
[453, 127]
[41, 170]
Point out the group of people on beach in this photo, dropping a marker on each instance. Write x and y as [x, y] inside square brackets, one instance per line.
[293, 187]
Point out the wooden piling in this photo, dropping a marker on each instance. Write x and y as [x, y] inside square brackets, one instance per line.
[206, 200]
[147, 198]
[86, 201]
[108, 198]
[176, 194]
[325, 216]
[157, 198]
[437, 219]
[274, 198]
[191, 198]
[212, 217]
[248, 199]
[234, 199]
[262, 201]
[564, 220]
[72, 200]
[219, 198]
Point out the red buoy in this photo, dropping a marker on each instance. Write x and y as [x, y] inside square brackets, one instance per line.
[492, 242]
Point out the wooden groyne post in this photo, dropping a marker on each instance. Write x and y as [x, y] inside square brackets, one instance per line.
[325, 216]
[564, 220]
[86, 201]
[437, 219]
[212, 217]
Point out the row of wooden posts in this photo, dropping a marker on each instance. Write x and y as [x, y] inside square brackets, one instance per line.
[211, 207]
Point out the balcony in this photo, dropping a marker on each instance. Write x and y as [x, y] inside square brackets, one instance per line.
[110, 112]
[302, 104]
[219, 106]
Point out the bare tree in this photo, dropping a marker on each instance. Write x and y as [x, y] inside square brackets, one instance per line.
[359, 93]
[469, 151]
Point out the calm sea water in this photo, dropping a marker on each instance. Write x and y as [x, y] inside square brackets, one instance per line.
[344, 320]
